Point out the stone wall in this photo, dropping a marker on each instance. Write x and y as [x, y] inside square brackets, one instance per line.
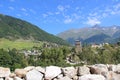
[86, 72]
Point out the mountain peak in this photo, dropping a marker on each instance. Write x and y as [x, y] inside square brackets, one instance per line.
[92, 33]
[96, 26]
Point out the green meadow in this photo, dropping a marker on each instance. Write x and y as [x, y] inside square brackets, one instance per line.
[18, 44]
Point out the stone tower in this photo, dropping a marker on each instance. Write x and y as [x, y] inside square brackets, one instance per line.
[78, 47]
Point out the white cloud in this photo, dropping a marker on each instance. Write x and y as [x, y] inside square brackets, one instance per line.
[50, 13]
[23, 9]
[67, 21]
[26, 14]
[18, 15]
[44, 15]
[117, 6]
[31, 10]
[57, 13]
[63, 8]
[60, 8]
[11, 8]
[77, 8]
[93, 21]
[76, 16]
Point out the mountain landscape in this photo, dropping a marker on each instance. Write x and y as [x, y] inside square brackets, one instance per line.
[94, 34]
[15, 29]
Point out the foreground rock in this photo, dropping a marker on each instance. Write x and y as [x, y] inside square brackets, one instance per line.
[29, 68]
[112, 76]
[99, 69]
[52, 72]
[34, 75]
[20, 73]
[88, 72]
[40, 69]
[4, 72]
[69, 71]
[83, 70]
[92, 77]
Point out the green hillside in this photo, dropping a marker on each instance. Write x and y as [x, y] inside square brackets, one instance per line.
[13, 29]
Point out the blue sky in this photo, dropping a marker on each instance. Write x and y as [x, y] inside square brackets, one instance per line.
[55, 16]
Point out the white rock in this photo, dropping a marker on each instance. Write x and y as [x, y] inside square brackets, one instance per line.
[65, 78]
[20, 73]
[34, 75]
[55, 79]
[69, 71]
[8, 78]
[29, 68]
[117, 69]
[4, 72]
[91, 77]
[51, 72]
[111, 67]
[1, 79]
[99, 69]
[12, 75]
[17, 78]
[40, 69]
[113, 76]
[75, 78]
[60, 76]
[83, 70]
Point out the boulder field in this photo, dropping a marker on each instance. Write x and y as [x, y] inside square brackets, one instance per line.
[86, 72]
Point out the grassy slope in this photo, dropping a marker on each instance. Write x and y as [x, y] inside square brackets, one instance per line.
[18, 44]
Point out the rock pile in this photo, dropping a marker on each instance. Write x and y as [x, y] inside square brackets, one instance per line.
[89, 72]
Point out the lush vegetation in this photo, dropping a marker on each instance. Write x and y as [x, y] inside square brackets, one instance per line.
[107, 54]
[12, 59]
[13, 28]
[50, 56]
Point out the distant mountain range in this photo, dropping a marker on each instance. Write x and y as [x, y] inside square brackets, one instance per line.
[13, 29]
[94, 34]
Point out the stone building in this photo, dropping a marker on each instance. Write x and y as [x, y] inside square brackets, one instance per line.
[78, 46]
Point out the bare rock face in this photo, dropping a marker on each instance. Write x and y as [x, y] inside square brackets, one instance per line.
[92, 77]
[69, 71]
[4, 72]
[52, 72]
[83, 70]
[34, 75]
[20, 73]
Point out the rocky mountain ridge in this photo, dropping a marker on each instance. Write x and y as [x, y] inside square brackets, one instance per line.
[86, 72]
[86, 33]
